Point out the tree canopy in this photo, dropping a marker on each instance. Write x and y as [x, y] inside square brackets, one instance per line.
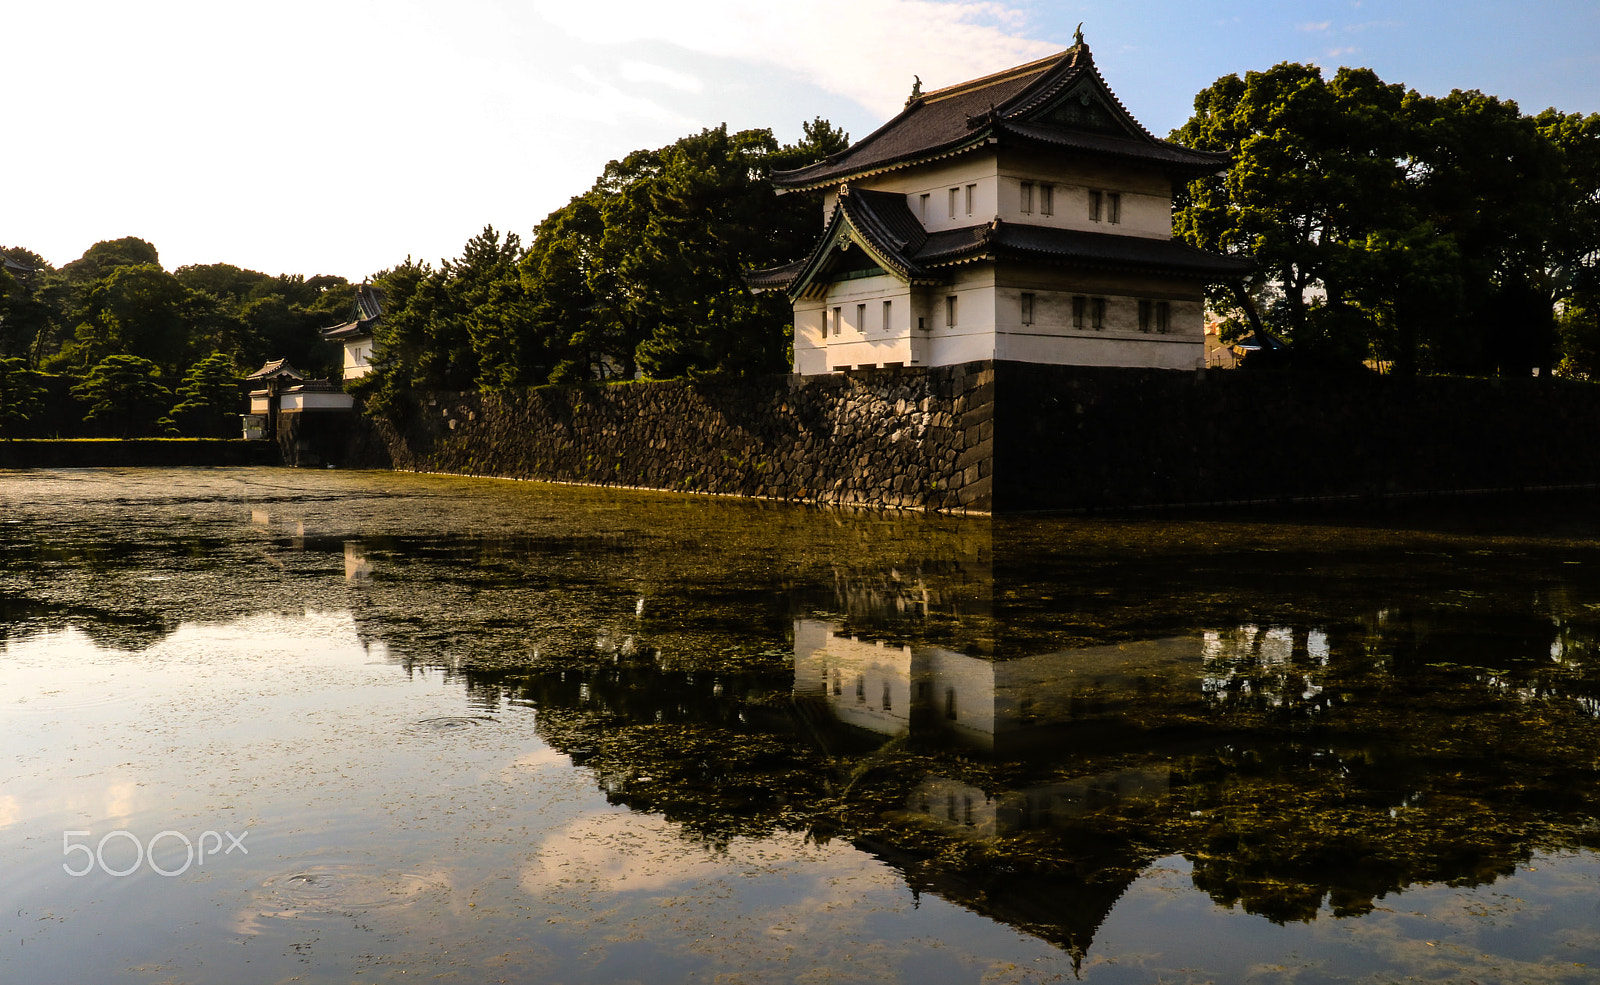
[1429, 234]
[640, 273]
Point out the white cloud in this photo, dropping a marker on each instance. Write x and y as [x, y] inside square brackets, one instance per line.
[864, 50]
[634, 71]
[599, 101]
[1319, 27]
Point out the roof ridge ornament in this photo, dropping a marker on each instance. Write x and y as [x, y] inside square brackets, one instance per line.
[1077, 36]
[916, 90]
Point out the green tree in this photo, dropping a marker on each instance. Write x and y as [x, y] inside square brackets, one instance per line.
[645, 269]
[21, 397]
[106, 256]
[400, 338]
[125, 396]
[208, 398]
[1316, 194]
[137, 309]
[1426, 233]
[31, 306]
[1573, 247]
[1491, 183]
[1579, 330]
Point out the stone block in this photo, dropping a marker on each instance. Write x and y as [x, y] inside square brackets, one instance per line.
[977, 495]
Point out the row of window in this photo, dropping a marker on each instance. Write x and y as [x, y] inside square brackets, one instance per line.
[833, 321]
[960, 199]
[888, 700]
[1090, 312]
[1087, 312]
[1104, 206]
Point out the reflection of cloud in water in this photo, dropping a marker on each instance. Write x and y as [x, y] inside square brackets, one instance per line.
[542, 759]
[619, 852]
[750, 905]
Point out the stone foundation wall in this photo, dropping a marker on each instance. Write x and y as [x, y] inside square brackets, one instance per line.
[1085, 438]
[1014, 436]
[914, 438]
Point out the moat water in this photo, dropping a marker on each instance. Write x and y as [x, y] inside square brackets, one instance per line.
[271, 726]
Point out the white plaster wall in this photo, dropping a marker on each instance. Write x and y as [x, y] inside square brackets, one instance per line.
[972, 337]
[810, 348]
[1146, 195]
[873, 343]
[1052, 338]
[935, 180]
[316, 400]
[357, 359]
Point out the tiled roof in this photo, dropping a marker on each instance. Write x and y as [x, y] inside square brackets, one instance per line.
[369, 308]
[897, 240]
[349, 330]
[774, 278]
[275, 369]
[1019, 241]
[316, 386]
[1013, 108]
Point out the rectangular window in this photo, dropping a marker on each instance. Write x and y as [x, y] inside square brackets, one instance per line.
[954, 192]
[1146, 313]
[922, 208]
[1094, 206]
[971, 192]
[861, 318]
[950, 705]
[1097, 313]
[1027, 197]
[1163, 316]
[950, 310]
[888, 700]
[861, 687]
[1080, 307]
[1027, 309]
[1047, 199]
[888, 322]
[838, 317]
[1113, 207]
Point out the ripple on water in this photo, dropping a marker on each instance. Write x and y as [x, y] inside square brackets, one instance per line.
[449, 723]
[343, 889]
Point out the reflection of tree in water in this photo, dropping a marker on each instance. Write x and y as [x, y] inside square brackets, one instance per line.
[1359, 711]
[1347, 770]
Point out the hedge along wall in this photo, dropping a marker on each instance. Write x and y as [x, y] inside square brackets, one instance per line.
[1014, 436]
[914, 438]
[83, 453]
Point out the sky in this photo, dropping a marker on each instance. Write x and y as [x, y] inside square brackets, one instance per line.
[343, 136]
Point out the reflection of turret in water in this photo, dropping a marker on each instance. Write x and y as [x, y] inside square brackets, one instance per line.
[1002, 706]
[969, 811]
